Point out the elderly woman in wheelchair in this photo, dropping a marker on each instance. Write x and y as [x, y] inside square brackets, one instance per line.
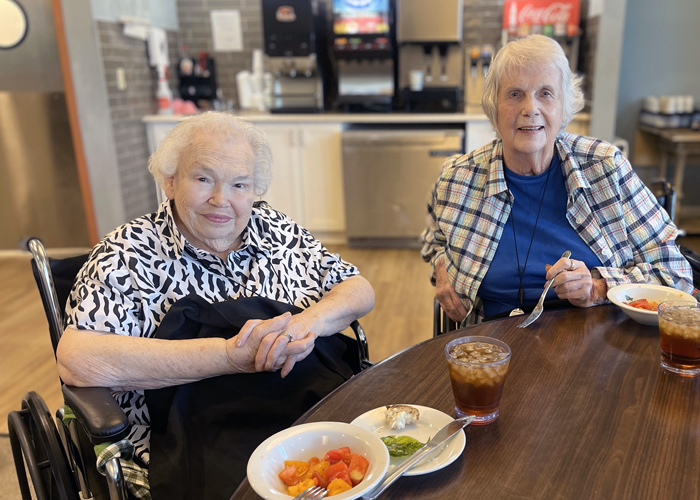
[210, 239]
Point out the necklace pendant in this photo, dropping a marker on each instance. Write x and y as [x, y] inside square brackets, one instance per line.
[516, 312]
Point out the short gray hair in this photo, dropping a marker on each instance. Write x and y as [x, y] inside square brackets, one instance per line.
[524, 52]
[163, 163]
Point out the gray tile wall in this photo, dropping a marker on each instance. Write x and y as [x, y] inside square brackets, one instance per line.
[482, 22]
[127, 108]
[195, 32]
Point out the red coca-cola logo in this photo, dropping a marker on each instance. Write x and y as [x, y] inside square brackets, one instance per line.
[541, 12]
[557, 13]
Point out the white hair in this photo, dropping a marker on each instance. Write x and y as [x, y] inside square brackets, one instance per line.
[163, 163]
[526, 52]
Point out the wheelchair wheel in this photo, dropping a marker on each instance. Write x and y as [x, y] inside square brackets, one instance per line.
[35, 442]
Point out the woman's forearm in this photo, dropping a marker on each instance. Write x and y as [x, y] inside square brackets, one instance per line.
[88, 358]
[347, 301]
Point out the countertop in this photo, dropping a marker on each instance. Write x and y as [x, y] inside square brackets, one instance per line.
[332, 117]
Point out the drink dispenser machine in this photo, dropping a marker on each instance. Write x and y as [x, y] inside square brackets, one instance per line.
[364, 49]
[429, 38]
[294, 48]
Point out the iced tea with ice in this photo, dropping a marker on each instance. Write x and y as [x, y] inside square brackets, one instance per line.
[679, 331]
[478, 368]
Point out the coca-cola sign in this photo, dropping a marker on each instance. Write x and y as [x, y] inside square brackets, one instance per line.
[541, 13]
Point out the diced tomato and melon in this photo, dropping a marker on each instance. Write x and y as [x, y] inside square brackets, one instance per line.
[339, 470]
[644, 304]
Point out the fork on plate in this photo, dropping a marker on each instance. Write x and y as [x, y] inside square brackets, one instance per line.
[537, 311]
[312, 493]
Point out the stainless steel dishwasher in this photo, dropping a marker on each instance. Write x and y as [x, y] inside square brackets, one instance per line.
[388, 176]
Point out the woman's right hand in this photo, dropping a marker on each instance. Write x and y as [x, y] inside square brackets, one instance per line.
[446, 295]
[256, 341]
[267, 345]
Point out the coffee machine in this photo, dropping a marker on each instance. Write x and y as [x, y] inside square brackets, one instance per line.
[430, 56]
[364, 48]
[295, 54]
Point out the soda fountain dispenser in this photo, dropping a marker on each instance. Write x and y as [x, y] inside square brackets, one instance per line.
[292, 31]
[429, 38]
[364, 48]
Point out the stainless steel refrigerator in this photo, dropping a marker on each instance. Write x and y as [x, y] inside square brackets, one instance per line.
[39, 189]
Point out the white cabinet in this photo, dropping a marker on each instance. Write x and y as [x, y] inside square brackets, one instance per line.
[479, 133]
[307, 173]
[285, 192]
[322, 164]
[307, 180]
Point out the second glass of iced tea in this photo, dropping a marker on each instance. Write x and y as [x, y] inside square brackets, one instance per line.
[679, 330]
[478, 368]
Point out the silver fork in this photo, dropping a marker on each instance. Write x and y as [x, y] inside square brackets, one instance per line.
[538, 308]
[312, 493]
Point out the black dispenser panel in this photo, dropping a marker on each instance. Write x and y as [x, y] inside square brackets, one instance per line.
[288, 27]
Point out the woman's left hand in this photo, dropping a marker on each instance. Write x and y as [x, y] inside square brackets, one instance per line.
[282, 343]
[573, 281]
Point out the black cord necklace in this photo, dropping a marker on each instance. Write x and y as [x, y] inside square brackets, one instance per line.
[521, 274]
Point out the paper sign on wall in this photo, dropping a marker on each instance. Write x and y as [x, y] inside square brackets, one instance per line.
[226, 30]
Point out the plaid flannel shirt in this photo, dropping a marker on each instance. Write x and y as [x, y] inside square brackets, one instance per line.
[608, 206]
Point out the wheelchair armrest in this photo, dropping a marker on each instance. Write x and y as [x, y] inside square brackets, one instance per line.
[98, 412]
[363, 347]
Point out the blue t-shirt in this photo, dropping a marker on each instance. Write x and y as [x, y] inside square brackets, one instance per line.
[499, 289]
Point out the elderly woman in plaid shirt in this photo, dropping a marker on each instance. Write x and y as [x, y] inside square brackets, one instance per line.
[502, 216]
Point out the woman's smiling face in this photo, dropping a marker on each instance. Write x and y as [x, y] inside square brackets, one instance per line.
[213, 192]
[530, 115]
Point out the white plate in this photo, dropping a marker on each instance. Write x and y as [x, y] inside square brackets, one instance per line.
[620, 294]
[429, 423]
[304, 441]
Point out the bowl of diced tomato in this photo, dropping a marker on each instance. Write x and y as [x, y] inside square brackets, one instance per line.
[348, 460]
[640, 301]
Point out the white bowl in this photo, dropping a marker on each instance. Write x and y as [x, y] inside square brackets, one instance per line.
[620, 294]
[314, 439]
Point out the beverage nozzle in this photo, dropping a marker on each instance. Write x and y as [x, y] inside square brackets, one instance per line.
[486, 56]
[474, 55]
[442, 47]
[428, 57]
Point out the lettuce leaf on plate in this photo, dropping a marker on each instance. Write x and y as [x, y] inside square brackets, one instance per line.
[402, 446]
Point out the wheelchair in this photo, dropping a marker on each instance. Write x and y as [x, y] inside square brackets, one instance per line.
[59, 455]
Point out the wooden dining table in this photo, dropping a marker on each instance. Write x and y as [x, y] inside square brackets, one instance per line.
[586, 413]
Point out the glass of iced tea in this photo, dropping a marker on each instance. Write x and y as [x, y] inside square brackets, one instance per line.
[478, 367]
[679, 330]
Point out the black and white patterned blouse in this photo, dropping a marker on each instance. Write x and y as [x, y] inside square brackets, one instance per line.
[139, 270]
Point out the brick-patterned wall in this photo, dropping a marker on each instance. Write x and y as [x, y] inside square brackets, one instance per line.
[195, 32]
[127, 108]
[588, 49]
[482, 22]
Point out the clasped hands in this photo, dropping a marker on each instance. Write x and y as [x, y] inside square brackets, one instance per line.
[272, 344]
